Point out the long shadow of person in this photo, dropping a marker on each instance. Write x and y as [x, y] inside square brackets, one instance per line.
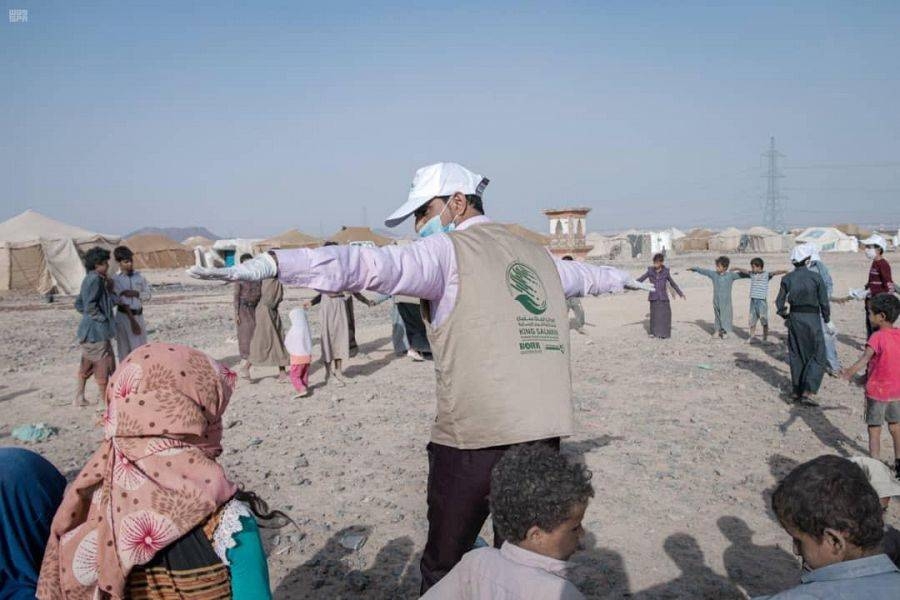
[599, 572]
[325, 575]
[829, 434]
[392, 574]
[772, 375]
[850, 341]
[779, 467]
[697, 580]
[576, 451]
[706, 326]
[757, 569]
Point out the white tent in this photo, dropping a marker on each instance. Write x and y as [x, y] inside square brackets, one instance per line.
[44, 255]
[647, 243]
[828, 239]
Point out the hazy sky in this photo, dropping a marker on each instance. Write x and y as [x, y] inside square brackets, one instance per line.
[256, 118]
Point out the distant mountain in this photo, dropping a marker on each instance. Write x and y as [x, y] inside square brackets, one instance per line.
[179, 234]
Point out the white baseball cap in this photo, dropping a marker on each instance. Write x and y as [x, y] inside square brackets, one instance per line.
[439, 179]
[880, 476]
[875, 240]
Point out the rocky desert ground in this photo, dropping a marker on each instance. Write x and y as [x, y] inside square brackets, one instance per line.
[686, 437]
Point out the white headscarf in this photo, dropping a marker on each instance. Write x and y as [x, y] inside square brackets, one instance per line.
[298, 340]
[801, 252]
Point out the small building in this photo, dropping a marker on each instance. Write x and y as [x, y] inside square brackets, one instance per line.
[568, 231]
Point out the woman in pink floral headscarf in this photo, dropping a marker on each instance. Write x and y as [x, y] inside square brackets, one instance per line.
[153, 486]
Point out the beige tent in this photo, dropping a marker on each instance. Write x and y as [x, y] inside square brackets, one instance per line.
[524, 232]
[154, 251]
[696, 240]
[727, 240]
[854, 230]
[289, 239]
[360, 235]
[761, 239]
[611, 246]
[198, 240]
[41, 254]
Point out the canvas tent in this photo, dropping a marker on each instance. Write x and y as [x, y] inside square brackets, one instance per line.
[696, 240]
[41, 254]
[854, 230]
[289, 239]
[727, 240]
[155, 251]
[608, 246]
[762, 239]
[198, 240]
[524, 232]
[226, 252]
[362, 236]
[828, 239]
[647, 243]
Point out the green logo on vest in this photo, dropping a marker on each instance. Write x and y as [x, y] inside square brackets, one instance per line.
[526, 287]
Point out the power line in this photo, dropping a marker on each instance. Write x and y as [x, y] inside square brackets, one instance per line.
[871, 165]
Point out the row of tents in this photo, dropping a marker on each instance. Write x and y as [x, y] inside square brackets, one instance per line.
[760, 240]
[38, 253]
[45, 255]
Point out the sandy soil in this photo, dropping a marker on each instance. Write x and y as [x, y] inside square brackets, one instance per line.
[686, 438]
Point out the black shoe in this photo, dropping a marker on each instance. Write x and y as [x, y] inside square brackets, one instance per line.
[897, 468]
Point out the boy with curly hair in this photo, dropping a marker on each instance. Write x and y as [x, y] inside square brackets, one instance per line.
[829, 508]
[538, 499]
[97, 326]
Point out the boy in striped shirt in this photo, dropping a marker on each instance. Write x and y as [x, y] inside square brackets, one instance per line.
[759, 296]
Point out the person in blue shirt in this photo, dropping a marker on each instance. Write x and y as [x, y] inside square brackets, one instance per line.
[30, 492]
[834, 517]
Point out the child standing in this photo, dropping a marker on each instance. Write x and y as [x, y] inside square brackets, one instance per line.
[95, 303]
[759, 296]
[880, 279]
[130, 292]
[722, 282]
[299, 343]
[882, 356]
[660, 309]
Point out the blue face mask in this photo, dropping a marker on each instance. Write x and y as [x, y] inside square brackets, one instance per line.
[434, 225]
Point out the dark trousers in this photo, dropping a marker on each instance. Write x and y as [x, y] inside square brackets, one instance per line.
[415, 326]
[459, 482]
[869, 329]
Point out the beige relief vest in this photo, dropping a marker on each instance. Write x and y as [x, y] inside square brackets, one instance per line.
[502, 356]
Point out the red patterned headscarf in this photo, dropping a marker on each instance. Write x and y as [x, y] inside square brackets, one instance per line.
[153, 479]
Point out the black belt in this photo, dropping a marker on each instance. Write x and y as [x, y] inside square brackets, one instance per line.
[805, 309]
[248, 305]
[134, 311]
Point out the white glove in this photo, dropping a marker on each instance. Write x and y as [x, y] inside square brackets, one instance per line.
[261, 267]
[859, 293]
[634, 284]
[832, 330]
